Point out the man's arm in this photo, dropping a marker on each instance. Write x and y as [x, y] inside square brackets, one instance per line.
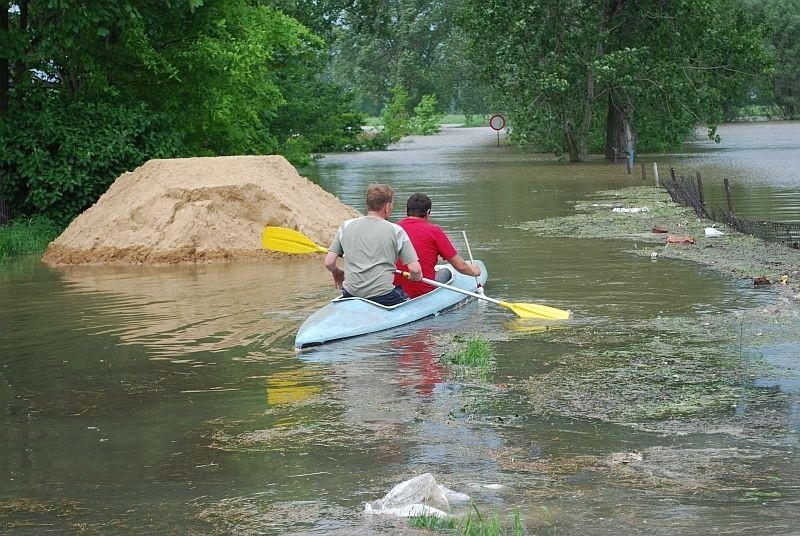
[333, 268]
[415, 269]
[464, 267]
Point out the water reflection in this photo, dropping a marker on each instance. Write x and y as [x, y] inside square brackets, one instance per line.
[760, 160]
[200, 308]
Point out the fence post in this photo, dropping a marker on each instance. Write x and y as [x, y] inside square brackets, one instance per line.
[700, 189]
[655, 172]
[644, 171]
[729, 195]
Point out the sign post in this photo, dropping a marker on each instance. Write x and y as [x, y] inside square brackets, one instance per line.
[497, 122]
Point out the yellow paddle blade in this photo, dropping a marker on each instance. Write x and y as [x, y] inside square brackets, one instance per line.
[288, 241]
[533, 310]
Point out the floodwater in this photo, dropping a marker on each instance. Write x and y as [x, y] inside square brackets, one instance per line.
[169, 400]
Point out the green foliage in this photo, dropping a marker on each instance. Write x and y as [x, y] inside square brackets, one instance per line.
[381, 44]
[229, 59]
[471, 351]
[477, 524]
[58, 159]
[317, 111]
[474, 523]
[425, 120]
[572, 74]
[782, 20]
[395, 116]
[22, 236]
[433, 523]
[98, 88]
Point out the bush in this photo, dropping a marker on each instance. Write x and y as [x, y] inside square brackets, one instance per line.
[395, 117]
[57, 159]
[426, 120]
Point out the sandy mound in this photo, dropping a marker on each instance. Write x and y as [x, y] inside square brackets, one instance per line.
[198, 210]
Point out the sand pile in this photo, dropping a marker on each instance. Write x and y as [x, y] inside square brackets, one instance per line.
[198, 210]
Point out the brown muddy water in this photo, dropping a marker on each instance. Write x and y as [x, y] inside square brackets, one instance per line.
[169, 400]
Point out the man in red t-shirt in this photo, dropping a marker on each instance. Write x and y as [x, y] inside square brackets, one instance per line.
[430, 242]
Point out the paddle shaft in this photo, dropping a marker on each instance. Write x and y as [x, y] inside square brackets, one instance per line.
[456, 289]
[472, 261]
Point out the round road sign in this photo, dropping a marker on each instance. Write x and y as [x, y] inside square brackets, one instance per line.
[497, 122]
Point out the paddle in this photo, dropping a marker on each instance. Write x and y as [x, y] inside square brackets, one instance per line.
[523, 310]
[472, 261]
[289, 241]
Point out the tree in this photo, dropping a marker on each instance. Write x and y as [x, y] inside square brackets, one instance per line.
[181, 78]
[614, 74]
[782, 18]
[382, 44]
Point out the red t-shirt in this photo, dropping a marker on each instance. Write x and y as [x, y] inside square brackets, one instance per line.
[431, 242]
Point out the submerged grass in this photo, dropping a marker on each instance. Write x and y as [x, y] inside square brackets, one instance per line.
[735, 253]
[676, 373]
[661, 370]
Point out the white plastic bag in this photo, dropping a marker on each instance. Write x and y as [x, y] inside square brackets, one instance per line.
[421, 495]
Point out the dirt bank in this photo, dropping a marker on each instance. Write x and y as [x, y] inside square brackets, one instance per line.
[198, 210]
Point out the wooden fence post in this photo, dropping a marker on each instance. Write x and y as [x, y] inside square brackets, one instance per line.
[644, 171]
[729, 195]
[700, 189]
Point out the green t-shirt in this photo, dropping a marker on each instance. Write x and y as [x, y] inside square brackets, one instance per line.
[370, 247]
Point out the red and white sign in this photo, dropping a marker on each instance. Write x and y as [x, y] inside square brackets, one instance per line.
[497, 122]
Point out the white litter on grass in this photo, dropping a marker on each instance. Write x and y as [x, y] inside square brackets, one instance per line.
[419, 496]
[710, 231]
[630, 209]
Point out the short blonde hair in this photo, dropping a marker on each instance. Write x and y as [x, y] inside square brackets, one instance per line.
[378, 195]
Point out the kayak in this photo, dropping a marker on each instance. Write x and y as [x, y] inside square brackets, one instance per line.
[344, 318]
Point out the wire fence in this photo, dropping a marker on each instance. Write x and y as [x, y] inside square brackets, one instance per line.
[688, 192]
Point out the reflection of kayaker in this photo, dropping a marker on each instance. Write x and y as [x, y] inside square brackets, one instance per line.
[422, 364]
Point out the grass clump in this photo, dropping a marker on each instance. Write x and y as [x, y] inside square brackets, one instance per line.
[470, 351]
[474, 523]
[23, 236]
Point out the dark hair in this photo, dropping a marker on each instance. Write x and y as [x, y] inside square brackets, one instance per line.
[418, 205]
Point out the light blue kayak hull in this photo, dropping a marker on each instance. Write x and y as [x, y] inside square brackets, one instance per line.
[344, 318]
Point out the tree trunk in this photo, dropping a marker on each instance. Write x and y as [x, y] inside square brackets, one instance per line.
[5, 71]
[619, 133]
[569, 140]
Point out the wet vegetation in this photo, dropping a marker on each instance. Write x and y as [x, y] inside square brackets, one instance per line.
[470, 351]
[644, 210]
[676, 373]
[473, 523]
